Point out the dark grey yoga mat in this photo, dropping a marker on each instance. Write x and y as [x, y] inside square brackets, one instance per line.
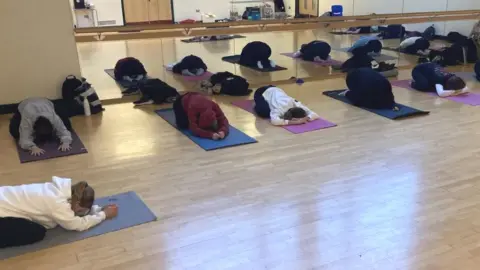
[235, 59]
[123, 83]
[131, 212]
[194, 40]
[381, 57]
[51, 150]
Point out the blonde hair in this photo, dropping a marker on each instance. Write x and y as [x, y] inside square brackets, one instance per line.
[83, 194]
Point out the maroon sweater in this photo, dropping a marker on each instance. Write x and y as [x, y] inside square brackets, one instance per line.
[194, 105]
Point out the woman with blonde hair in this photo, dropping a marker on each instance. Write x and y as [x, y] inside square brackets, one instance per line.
[27, 211]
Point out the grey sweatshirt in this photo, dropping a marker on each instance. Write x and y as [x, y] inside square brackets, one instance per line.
[32, 108]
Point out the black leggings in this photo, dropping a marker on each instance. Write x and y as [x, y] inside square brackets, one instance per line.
[17, 118]
[181, 117]
[261, 106]
[19, 232]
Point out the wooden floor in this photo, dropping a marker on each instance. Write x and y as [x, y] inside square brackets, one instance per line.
[368, 194]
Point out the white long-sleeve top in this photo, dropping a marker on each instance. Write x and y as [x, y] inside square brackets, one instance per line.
[32, 108]
[47, 204]
[447, 93]
[409, 41]
[279, 103]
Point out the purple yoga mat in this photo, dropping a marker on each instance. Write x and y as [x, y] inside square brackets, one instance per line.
[247, 105]
[472, 99]
[327, 63]
[51, 150]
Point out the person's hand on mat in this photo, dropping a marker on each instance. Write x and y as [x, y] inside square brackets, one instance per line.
[64, 147]
[221, 134]
[36, 151]
[215, 136]
[298, 121]
[110, 210]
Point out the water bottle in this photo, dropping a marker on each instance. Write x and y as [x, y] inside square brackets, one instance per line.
[86, 107]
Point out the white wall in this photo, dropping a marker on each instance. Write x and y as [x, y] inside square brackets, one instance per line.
[365, 7]
[109, 10]
[186, 9]
[38, 48]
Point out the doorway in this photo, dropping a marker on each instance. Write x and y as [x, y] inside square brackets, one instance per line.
[307, 8]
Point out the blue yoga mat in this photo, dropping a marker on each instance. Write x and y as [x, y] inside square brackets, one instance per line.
[131, 212]
[234, 138]
[402, 112]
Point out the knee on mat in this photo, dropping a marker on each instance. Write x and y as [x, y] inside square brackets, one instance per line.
[256, 52]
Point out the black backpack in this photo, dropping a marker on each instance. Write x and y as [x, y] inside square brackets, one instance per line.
[158, 91]
[129, 66]
[231, 84]
[429, 33]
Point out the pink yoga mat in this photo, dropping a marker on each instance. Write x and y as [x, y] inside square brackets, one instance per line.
[247, 105]
[472, 99]
[327, 63]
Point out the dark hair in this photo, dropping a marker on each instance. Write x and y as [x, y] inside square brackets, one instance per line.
[454, 83]
[43, 129]
[374, 46]
[295, 112]
[422, 44]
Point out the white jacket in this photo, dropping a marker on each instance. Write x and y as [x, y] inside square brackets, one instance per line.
[46, 204]
[279, 103]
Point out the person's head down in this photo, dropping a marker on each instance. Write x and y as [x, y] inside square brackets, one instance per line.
[207, 120]
[43, 130]
[455, 83]
[422, 44]
[82, 199]
[295, 113]
[374, 46]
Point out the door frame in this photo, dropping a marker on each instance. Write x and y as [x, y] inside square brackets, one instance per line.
[297, 10]
[171, 10]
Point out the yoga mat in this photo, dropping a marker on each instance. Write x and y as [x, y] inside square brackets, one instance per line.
[234, 138]
[123, 83]
[381, 57]
[403, 112]
[131, 212]
[234, 59]
[472, 99]
[51, 150]
[202, 77]
[247, 105]
[327, 63]
[192, 40]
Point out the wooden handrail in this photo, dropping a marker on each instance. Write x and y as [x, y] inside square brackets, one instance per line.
[136, 28]
[209, 29]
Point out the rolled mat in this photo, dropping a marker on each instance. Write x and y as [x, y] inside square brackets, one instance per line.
[131, 212]
[51, 150]
[235, 59]
[401, 112]
[317, 124]
[472, 99]
[234, 138]
[326, 63]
